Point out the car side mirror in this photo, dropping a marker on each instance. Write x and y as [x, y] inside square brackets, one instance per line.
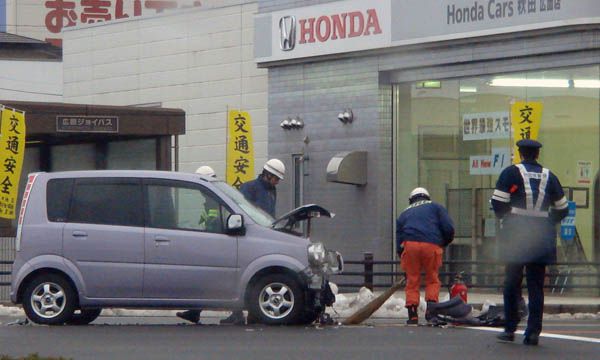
[235, 224]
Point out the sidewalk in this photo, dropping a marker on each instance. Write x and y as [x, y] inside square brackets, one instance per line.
[553, 304]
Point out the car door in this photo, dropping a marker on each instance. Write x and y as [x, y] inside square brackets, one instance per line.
[104, 236]
[188, 254]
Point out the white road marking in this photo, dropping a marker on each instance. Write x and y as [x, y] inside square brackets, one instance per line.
[543, 334]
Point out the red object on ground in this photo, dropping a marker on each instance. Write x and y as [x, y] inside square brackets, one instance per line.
[459, 289]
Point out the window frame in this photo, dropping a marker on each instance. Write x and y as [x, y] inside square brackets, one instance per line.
[186, 185]
[105, 181]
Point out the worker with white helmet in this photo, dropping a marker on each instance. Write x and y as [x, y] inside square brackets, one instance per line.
[423, 229]
[261, 191]
[206, 171]
[206, 217]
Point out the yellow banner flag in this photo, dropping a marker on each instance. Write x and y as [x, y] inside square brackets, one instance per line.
[526, 118]
[240, 148]
[12, 151]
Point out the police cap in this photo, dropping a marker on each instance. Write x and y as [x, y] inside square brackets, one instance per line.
[529, 143]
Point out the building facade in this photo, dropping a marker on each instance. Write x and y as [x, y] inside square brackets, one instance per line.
[45, 20]
[431, 86]
[199, 59]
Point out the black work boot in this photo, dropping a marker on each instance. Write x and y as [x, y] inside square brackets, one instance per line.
[190, 315]
[413, 315]
[531, 339]
[506, 336]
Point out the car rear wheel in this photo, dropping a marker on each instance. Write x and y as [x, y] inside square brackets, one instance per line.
[84, 317]
[277, 299]
[49, 299]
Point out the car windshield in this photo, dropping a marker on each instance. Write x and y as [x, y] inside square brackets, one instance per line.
[256, 214]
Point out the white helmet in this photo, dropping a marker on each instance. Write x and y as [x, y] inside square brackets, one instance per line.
[418, 191]
[275, 167]
[206, 171]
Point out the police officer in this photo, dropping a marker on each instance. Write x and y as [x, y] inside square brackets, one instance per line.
[423, 229]
[529, 200]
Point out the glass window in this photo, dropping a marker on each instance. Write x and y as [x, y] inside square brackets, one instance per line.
[132, 154]
[107, 201]
[173, 206]
[455, 138]
[254, 212]
[73, 157]
[58, 197]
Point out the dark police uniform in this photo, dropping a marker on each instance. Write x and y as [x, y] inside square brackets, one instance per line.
[530, 201]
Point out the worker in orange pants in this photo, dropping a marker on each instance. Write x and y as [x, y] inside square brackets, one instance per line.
[423, 229]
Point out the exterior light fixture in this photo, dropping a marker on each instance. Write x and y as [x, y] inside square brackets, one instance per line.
[292, 123]
[522, 82]
[346, 116]
[286, 123]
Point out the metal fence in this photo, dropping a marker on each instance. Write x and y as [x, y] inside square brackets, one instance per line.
[7, 255]
[576, 278]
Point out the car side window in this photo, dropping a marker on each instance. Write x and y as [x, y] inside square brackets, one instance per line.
[184, 207]
[107, 201]
[58, 199]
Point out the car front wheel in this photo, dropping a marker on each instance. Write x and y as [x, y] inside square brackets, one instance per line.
[49, 299]
[277, 299]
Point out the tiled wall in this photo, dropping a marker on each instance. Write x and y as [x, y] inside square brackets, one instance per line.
[199, 60]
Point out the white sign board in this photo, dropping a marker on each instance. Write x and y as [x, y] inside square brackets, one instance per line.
[490, 164]
[355, 25]
[482, 126]
[338, 27]
[584, 172]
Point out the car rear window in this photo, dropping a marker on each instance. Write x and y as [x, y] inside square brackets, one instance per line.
[107, 201]
[58, 197]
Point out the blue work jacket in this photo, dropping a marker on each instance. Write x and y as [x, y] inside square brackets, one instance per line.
[260, 193]
[530, 201]
[424, 221]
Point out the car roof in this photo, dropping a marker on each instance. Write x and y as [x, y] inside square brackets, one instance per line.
[171, 175]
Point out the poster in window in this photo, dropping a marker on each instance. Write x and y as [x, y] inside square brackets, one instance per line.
[526, 117]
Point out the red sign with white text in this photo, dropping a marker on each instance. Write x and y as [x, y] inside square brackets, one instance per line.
[65, 13]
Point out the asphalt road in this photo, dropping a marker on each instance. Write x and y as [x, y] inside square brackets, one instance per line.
[167, 338]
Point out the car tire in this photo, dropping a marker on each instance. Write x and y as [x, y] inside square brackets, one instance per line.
[49, 300]
[84, 317]
[277, 299]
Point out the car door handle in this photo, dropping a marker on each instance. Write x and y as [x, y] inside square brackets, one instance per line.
[159, 240]
[78, 233]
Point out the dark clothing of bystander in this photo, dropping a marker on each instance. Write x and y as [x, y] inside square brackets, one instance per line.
[260, 193]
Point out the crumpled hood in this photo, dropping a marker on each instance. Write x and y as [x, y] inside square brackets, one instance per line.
[304, 212]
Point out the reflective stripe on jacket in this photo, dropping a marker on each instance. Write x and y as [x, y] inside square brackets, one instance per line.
[528, 189]
[530, 200]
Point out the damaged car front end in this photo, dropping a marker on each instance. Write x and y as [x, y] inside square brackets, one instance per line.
[322, 262]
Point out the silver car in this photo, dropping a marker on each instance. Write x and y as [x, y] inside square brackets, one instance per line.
[88, 240]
